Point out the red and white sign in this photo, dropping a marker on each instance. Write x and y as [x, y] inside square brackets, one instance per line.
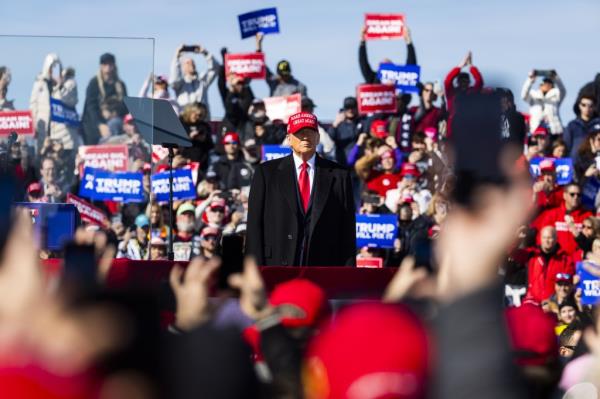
[376, 98]
[159, 152]
[369, 263]
[88, 212]
[251, 65]
[283, 107]
[384, 26]
[20, 122]
[113, 157]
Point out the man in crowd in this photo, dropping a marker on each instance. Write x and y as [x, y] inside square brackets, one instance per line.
[369, 75]
[570, 214]
[546, 262]
[283, 83]
[190, 86]
[577, 130]
[426, 114]
[301, 208]
[207, 244]
[52, 188]
[135, 244]
[232, 169]
[345, 129]
[513, 127]
[460, 82]
[237, 97]
[383, 178]
[544, 103]
[548, 194]
[186, 230]
[106, 84]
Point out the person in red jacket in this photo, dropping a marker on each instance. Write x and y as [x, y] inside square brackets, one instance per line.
[564, 218]
[547, 193]
[463, 81]
[545, 263]
[387, 179]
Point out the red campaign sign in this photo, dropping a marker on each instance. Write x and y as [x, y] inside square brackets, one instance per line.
[283, 107]
[251, 65]
[20, 122]
[384, 26]
[88, 212]
[376, 98]
[113, 157]
[369, 263]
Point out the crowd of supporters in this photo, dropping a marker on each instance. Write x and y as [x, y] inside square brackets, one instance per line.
[401, 166]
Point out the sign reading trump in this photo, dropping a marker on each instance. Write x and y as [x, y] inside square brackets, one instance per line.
[265, 21]
[377, 231]
[589, 283]
[405, 77]
[98, 184]
[251, 65]
[376, 98]
[384, 26]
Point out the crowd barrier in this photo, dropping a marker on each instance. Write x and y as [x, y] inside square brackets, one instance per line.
[338, 282]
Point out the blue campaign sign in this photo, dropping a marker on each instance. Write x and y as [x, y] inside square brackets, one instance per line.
[62, 113]
[99, 184]
[563, 166]
[183, 185]
[589, 284]
[589, 192]
[271, 151]
[265, 21]
[377, 231]
[405, 77]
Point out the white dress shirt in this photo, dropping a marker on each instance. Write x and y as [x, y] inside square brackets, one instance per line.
[311, 168]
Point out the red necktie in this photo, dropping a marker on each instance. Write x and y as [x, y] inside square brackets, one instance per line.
[304, 184]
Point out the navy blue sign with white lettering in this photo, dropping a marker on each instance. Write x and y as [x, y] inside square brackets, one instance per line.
[62, 113]
[265, 21]
[99, 184]
[405, 77]
[377, 231]
[183, 185]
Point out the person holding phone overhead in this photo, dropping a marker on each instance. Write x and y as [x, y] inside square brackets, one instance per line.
[189, 85]
[545, 101]
[301, 208]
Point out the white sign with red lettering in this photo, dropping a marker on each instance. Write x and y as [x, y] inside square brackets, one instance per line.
[369, 263]
[281, 108]
[376, 98]
[88, 212]
[114, 157]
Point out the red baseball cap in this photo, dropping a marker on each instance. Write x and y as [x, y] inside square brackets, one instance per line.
[409, 169]
[218, 203]
[302, 120]
[547, 165]
[128, 118]
[306, 296]
[540, 131]
[370, 350]
[34, 187]
[230, 137]
[210, 231]
[389, 154]
[431, 132]
[378, 129]
[531, 333]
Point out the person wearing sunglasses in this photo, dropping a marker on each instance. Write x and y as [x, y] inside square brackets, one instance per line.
[577, 129]
[564, 218]
[232, 169]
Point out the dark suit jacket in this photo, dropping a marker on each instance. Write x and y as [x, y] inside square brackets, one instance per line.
[277, 224]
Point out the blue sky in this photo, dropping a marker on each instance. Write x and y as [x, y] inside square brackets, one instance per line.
[319, 38]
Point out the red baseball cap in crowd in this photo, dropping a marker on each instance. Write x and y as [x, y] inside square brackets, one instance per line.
[540, 131]
[564, 277]
[231, 137]
[370, 350]
[378, 129]
[210, 231]
[217, 203]
[389, 154]
[302, 120]
[431, 132]
[409, 169]
[308, 299]
[532, 335]
[547, 165]
[128, 119]
[34, 187]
